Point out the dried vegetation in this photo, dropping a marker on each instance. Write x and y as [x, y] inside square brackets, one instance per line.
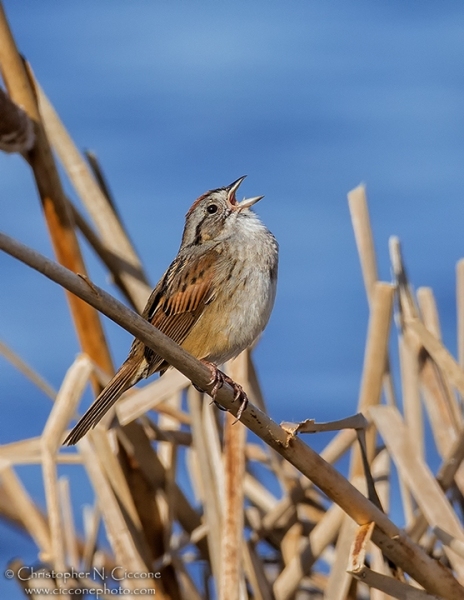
[175, 484]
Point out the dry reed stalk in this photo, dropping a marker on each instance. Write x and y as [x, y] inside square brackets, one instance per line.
[231, 583]
[375, 359]
[452, 462]
[449, 540]
[167, 453]
[180, 417]
[50, 479]
[291, 542]
[429, 312]
[213, 443]
[442, 416]
[40, 158]
[127, 544]
[34, 521]
[256, 575]
[387, 585]
[140, 450]
[207, 482]
[411, 395]
[331, 453]
[64, 407]
[150, 504]
[27, 371]
[115, 476]
[412, 415]
[445, 477]
[427, 493]
[340, 580]
[357, 422]
[358, 549]
[92, 519]
[134, 405]
[173, 436]
[168, 522]
[438, 352]
[338, 446]
[439, 399]
[100, 178]
[360, 219]
[190, 590]
[437, 405]
[16, 128]
[256, 396]
[66, 402]
[323, 534]
[112, 263]
[357, 202]
[105, 219]
[27, 452]
[258, 494]
[70, 539]
[381, 472]
[253, 387]
[177, 545]
[256, 453]
[23, 452]
[391, 587]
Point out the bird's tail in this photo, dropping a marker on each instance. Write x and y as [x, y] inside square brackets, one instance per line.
[127, 376]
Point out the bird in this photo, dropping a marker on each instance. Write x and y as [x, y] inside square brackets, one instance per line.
[214, 300]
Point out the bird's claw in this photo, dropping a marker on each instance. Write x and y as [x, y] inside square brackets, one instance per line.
[218, 378]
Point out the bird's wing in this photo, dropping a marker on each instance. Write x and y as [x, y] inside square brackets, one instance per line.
[179, 299]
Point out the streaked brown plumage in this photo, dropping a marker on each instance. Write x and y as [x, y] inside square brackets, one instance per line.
[214, 300]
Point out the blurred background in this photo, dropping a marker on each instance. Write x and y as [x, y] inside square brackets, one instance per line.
[308, 99]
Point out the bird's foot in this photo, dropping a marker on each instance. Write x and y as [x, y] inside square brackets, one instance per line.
[218, 378]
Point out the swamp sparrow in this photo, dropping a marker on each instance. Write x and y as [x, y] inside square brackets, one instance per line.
[214, 300]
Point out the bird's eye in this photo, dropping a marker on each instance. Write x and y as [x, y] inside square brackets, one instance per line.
[212, 208]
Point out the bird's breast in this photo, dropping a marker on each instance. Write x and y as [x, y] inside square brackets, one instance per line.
[244, 293]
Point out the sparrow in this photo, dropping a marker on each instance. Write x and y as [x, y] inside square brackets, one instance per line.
[214, 300]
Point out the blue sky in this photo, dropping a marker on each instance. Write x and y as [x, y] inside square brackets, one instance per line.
[306, 98]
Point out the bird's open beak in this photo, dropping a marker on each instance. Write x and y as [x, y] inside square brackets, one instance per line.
[246, 202]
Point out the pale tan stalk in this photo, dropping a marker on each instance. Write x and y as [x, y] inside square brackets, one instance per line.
[213, 513]
[16, 128]
[126, 543]
[110, 229]
[360, 219]
[429, 312]
[27, 371]
[135, 404]
[69, 530]
[427, 493]
[339, 580]
[323, 534]
[231, 581]
[375, 359]
[34, 522]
